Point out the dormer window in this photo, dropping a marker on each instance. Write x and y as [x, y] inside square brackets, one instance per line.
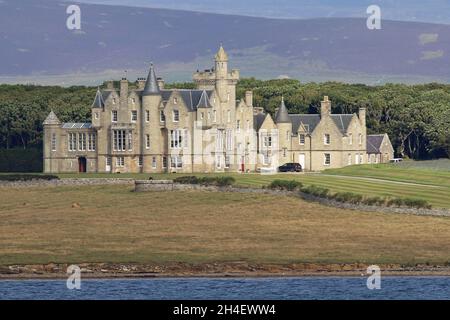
[306, 127]
[175, 100]
[176, 116]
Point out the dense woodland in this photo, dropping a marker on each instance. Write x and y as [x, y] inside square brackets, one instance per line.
[417, 118]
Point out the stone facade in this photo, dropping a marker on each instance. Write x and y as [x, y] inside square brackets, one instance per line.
[150, 129]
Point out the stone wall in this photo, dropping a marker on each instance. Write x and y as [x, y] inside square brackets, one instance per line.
[66, 182]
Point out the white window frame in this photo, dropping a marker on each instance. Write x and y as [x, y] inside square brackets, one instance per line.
[82, 141]
[53, 141]
[326, 139]
[134, 115]
[147, 141]
[154, 164]
[350, 138]
[120, 162]
[176, 139]
[92, 141]
[162, 116]
[176, 116]
[301, 137]
[147, 115]
[327, 159]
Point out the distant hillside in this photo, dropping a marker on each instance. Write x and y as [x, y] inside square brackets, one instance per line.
[36, 46]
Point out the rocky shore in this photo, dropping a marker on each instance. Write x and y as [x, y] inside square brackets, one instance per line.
[218, 269]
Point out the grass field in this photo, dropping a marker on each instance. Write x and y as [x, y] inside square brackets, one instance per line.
[419, 180]
[113, 224]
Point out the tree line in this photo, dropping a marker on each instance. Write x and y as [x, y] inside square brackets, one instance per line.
[416, 117]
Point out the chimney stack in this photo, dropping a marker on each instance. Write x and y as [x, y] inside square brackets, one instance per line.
[325, 107]
[141, 83]
[160, 83]
[362, 116]
[249, 98]
[110, 85]
[124, 91]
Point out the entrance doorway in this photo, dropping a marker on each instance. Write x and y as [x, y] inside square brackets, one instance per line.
[301, 160]
[82, 164]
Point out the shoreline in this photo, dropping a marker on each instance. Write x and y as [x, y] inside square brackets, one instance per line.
[214, 270]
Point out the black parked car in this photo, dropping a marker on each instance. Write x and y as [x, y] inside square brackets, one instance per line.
[290, 167]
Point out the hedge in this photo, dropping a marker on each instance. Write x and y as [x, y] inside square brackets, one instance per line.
[206, 181]
[291, 185]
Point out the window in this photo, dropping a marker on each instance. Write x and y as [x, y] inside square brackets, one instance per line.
[209, 115]
[326, 139]
[176, 162]
[140, 161]
[284, 152]
[248, 125]
[361, 159]
[133, 100]
[202, 115]
[114, 100]
[72, 141]
[133, 116]
[227, 161]
[229, 140]
[164, 162]
[350, 138]
[349, 159]
[219, 140]
[53, 141]
[306, 127]
[96, 115]
[175, 100]
[229, 116]
[301, 138]
[147, 116]
[186, 137]
[154, 162]
[147, 141]
[130, 141]
[267, 141]
[108, 161]
[360, 139]
[356, 159]
[119, 140]
[288, 135]
[82, 141]
[92, 141]
[238, 125]
[114, 116]
[327, 159]
[120, 161]
[215, 116]
[266, 159]
[176, 116]
[176, 139]
[162, 117]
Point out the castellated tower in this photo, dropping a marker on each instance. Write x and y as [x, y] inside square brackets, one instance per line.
[151, 102]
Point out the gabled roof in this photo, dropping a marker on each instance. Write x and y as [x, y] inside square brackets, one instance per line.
[374, 142]
[51, 119]
[258, 120]
[99, 102]
[342, 121]
[151, 86]
[282, 115]
[204, 101]
[310, 120]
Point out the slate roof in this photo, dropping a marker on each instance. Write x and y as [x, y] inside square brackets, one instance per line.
[282, 115]
[311, 120]
[258, 120]
[342, 121]
[99, 102]
[151, 86]
[374, 142]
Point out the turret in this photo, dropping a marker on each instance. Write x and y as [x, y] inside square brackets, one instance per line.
[51, 141]
[97, 107]
[284, 126]
[221, 72]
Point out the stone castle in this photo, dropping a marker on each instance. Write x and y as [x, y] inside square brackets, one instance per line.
[151, 129]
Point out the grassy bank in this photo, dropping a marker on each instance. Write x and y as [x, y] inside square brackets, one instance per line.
[113, 224]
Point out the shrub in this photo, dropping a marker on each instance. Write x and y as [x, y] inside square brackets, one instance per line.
[347, 197]
[316, 191]
[206, 181]
[395, 202]
[186, 180]
[374, 201]
[416, 203]
[291, 185]
[27, 177]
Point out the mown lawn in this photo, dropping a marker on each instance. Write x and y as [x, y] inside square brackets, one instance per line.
[114, 224]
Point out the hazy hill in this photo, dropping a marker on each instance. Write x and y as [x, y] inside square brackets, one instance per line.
[36, 45]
